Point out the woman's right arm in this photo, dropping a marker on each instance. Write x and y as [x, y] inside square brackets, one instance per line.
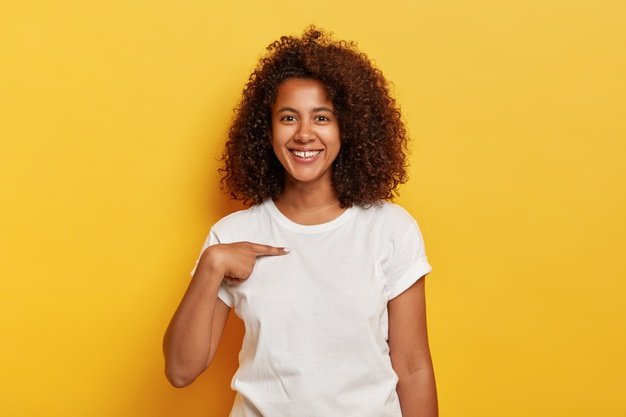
[194, 332]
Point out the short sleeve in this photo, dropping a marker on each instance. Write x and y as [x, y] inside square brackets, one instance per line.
[223, 293]
[408, 262]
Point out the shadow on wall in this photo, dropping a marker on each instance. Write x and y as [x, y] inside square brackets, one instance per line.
[210, 394]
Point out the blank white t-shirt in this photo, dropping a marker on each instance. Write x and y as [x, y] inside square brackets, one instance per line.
[316, 324]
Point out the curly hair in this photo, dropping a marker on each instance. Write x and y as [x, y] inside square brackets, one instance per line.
[372, 159]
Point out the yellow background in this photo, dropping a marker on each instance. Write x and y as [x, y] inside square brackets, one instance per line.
[113, 115]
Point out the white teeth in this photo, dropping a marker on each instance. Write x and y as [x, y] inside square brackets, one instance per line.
[305, 154]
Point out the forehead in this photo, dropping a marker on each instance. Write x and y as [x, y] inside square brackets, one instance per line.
[302, 91]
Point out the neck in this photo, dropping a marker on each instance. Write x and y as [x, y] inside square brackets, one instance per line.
[309, 203]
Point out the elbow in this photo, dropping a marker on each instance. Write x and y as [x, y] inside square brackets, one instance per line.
[178, 381]
[181, 371]
[408, 367]
[179, 378]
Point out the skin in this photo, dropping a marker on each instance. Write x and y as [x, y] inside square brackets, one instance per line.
[410, 354]
[196, 328]
[303, 119]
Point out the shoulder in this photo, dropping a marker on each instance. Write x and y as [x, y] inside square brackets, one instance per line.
[238, 220]
[387, 215]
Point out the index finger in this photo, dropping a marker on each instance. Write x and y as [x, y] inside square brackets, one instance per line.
[267, 250]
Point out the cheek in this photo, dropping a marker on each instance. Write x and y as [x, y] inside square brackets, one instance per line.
[336, 139]
[275, 136]
[280, 136]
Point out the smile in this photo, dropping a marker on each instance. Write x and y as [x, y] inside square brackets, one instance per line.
[305, 154]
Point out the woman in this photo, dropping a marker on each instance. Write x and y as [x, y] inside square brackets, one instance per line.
[324, 272]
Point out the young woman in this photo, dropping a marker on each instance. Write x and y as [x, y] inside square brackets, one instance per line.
[326, 273]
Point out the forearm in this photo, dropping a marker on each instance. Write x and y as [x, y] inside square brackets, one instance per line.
[418, 393]
[187, 341]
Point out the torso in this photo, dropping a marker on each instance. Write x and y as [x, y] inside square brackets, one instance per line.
[316, 319]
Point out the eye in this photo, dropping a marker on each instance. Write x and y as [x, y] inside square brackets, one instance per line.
[288, 118]
[321, 118]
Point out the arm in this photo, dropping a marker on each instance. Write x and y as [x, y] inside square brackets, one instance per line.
[195, 330]
[410, 354]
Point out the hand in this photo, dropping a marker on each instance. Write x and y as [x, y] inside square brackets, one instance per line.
[236, 261]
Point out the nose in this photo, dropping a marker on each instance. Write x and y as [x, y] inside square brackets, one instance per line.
[304, 132]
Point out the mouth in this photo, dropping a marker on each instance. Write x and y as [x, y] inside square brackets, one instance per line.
[305, 155]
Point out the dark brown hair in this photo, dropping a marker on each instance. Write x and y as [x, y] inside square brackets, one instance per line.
[371, 162]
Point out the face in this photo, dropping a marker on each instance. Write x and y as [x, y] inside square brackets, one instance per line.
[305, 131]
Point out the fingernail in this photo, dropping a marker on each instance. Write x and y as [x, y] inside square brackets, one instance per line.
[286, 250]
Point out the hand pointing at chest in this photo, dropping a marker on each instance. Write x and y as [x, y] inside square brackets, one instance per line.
[235, 261]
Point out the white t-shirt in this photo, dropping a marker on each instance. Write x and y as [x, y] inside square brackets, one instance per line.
[316, 324]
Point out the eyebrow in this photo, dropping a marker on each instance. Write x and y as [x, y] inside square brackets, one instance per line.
[315, 110]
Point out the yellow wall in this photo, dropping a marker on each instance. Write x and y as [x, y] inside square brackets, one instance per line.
[113, 114]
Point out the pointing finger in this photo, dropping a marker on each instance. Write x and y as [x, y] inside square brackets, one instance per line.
[266, 250]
